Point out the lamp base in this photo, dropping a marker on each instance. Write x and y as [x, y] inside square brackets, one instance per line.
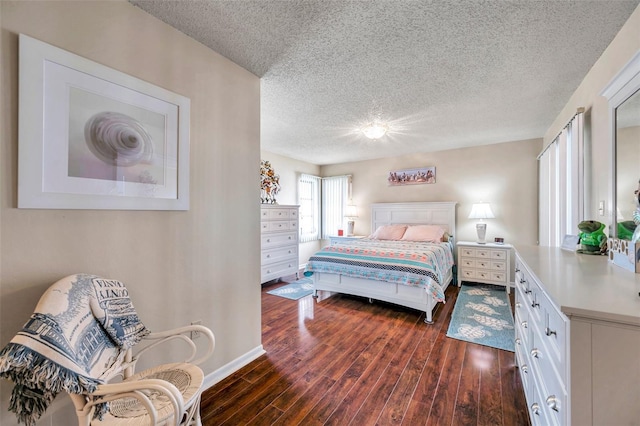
[481, 228]
[350, 226]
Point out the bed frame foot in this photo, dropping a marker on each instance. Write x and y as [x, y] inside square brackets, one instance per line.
[426, 321]
[370, 300]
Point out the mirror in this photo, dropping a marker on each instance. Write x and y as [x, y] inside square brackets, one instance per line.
[627, 161]
[623, 93]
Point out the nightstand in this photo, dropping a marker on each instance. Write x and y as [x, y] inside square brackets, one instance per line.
[341, 239]
[488, 263]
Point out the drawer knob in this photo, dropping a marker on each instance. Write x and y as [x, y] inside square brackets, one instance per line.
[518, 305]
[517, 269]
[268, 255]
[549, 332]
[527, 291]
[268, 240]
[535, 352]
[525, 368]
[552, 402]
[518, 341]
[535, 408]
[525, 324]
[535, 304]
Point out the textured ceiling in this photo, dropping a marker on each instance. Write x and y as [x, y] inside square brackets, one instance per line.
[443, 74]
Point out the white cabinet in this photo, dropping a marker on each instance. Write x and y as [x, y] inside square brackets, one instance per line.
[577, 324]
[279, 241]
[541, 343]
[484, 263]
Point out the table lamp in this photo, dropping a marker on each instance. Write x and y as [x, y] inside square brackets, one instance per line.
[481, 211]
[351, 212]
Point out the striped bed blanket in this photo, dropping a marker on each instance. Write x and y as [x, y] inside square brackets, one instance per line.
[416, 264]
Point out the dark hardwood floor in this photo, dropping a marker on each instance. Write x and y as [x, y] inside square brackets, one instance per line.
[345, 361]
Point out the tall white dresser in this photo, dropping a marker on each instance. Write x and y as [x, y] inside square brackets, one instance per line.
[279, 241]
[577, 338]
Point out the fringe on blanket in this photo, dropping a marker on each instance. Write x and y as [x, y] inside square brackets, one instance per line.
[37, 382]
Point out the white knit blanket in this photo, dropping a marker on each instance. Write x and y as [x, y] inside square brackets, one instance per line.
[81, 325]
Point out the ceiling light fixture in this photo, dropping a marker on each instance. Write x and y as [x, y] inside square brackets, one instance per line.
[375, 130]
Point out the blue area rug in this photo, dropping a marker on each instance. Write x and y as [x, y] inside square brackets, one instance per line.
[482, 315]
[295, 290]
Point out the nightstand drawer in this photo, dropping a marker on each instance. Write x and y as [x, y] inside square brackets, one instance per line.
[499, 266]
[469, 252]
[468, 273]
[483, 264]
[498, 254]
[499, 276]
[467, 263]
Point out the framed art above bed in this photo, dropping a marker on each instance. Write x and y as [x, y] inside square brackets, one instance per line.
[407, 260]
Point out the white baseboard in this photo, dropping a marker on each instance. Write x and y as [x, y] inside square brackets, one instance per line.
[230, 368]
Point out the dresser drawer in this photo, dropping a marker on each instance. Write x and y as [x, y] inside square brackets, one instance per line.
[282, 225]
[554, 334]
[537, 409]
[279, 269]
[280, 214]
[551, 386]
[275, 240]
[278, 255]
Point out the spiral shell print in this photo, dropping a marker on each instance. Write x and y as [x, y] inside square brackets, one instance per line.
[118, 139]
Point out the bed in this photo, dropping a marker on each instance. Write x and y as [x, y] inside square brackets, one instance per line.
[376, 268]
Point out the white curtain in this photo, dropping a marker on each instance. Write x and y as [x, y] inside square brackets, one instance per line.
[561, 184]
[335, 197]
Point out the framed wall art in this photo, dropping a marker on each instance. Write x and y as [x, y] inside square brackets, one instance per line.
[415, 176]
[91, 137]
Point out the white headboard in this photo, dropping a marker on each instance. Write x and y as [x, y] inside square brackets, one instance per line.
[417, 213]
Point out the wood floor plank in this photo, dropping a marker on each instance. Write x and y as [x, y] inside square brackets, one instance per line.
[466, 408]
[490, 401]
[347, 361]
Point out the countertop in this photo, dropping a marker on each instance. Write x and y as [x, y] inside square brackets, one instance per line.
[585, 285]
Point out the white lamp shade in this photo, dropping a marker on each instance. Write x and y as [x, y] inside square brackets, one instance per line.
[481, 211]
[351, 211]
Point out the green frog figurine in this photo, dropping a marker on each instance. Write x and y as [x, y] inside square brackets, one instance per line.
[592, 237]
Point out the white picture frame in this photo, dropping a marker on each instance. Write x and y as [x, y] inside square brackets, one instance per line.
[91, 137]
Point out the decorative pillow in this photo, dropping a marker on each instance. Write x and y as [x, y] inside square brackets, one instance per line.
[426, 233]
[389, 232]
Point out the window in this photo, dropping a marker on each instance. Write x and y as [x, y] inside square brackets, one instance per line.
[322, 204]
[309, 200]
[561, 184]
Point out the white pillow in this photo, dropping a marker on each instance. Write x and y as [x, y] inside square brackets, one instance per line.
[426, 233]
[389, 232]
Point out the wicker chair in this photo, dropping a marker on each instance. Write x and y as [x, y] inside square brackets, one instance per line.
[85, 338]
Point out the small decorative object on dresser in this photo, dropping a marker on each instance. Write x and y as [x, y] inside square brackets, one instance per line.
[269, 183]
[279, 242]
[487, 263]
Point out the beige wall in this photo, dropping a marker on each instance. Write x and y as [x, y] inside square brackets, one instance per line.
[201, 264]
[587, 95]
[504, 175]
